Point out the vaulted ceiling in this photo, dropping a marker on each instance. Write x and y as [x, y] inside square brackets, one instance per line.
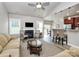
[24, 9]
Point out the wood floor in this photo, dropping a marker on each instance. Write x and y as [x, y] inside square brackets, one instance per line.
[49, 49]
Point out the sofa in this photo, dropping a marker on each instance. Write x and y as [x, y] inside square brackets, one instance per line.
[72, 52]
[9, 46]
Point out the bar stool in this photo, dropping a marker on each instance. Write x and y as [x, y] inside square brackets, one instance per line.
[57, 39]
[64, 39]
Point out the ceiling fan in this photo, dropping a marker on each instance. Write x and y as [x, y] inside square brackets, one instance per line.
[39, 5]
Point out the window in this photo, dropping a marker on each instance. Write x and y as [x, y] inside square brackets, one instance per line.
[67, 26]
[14, 25]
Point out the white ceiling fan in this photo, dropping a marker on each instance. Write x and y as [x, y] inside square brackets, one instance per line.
[39, 5]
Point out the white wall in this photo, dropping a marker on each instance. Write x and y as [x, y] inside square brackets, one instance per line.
[64, 6]
[24, 19]
[73, 37]
[3, 19]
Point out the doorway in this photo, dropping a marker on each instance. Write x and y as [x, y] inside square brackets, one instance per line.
[47, 33]
[47, 29]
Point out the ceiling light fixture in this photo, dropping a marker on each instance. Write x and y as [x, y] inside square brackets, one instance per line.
[39, 5]
[69, 18]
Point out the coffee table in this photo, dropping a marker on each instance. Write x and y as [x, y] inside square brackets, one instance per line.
[35, 46]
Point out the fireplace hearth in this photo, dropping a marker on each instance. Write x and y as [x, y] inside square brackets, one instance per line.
[29, 33]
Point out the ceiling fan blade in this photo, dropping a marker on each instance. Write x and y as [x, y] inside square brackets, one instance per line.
[43, 8]
[45, 3]
[32, 5]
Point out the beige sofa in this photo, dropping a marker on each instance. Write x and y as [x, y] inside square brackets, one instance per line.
[72, 52]
[9, 46]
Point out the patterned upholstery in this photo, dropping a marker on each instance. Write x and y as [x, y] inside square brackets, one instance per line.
[8, 37]
[3, 40]
[9, 46]
[13, 44]
[1, 48]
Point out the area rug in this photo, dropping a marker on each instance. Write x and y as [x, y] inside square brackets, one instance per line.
[48, 50]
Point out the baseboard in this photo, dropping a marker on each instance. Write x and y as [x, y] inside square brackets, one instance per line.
[73, 45]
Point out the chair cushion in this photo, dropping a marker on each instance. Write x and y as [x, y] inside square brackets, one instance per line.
[36, 43]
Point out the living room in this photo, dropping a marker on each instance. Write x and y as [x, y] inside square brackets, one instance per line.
[39, 29]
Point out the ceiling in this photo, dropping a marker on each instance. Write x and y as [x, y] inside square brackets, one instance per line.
[71, 11]
[23, 9]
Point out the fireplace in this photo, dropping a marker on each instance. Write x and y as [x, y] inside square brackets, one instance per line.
[30, 33]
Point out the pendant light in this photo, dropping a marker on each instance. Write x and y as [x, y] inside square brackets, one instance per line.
[69, 18]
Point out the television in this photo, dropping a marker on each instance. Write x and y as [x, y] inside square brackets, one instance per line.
[28, 24]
